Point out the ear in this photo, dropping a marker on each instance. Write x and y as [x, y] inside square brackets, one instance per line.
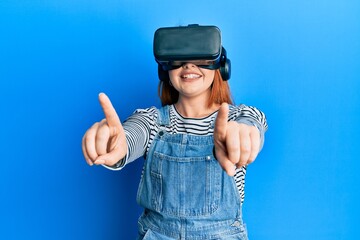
[163, 75]
[225, 65]
[225, 69]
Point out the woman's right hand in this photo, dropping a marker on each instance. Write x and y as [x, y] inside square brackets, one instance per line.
[105, 141]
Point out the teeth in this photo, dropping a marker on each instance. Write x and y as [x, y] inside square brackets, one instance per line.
[191, 76]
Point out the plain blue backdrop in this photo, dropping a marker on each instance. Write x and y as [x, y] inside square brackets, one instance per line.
[298, 61]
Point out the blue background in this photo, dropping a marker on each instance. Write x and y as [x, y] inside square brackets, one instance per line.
[298, 61]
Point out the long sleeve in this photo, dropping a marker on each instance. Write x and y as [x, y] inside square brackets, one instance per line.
[139, 128]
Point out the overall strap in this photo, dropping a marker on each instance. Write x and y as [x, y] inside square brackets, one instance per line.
[163, 116]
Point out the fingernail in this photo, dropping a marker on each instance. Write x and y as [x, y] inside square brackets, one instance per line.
[99, 162]
[231, 173]
[89, 162]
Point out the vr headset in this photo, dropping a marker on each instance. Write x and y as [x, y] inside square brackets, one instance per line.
[200, 45]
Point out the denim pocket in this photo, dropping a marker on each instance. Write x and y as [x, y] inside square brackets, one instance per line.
[156, 182]
[242, 231]
[188, 186]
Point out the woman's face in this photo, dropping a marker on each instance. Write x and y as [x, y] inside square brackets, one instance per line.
[191, 81]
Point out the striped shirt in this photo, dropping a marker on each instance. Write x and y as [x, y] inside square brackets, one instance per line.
[141, 128]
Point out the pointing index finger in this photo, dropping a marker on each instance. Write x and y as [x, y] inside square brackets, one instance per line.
[221, 121]
[110, 114]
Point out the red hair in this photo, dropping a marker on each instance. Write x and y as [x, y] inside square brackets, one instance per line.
[220, 91]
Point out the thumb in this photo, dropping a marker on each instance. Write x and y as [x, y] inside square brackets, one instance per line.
[221, 122]
[111, 158]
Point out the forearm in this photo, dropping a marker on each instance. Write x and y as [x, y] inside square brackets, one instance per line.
[137, 135]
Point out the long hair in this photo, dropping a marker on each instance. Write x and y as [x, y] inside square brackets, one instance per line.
[220, 91]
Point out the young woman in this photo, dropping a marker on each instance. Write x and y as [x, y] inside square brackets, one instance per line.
[196, 149]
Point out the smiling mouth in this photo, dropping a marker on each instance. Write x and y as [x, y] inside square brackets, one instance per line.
[190, 76]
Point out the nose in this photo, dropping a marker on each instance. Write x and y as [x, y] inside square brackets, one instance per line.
[188, 65]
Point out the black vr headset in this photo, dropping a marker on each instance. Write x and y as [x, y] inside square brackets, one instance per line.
[200, 45]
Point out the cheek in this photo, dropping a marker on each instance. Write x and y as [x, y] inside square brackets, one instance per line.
[173, 73]
[171, 77]
[210, 76]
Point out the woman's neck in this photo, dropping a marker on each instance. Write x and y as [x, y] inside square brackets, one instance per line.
[195, 108]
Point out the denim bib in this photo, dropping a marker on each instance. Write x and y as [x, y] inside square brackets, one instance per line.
[185, 192]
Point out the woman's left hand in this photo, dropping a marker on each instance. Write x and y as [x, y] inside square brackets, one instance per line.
[236, 144]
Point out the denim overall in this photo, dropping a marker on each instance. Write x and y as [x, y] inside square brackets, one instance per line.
[185, 192]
